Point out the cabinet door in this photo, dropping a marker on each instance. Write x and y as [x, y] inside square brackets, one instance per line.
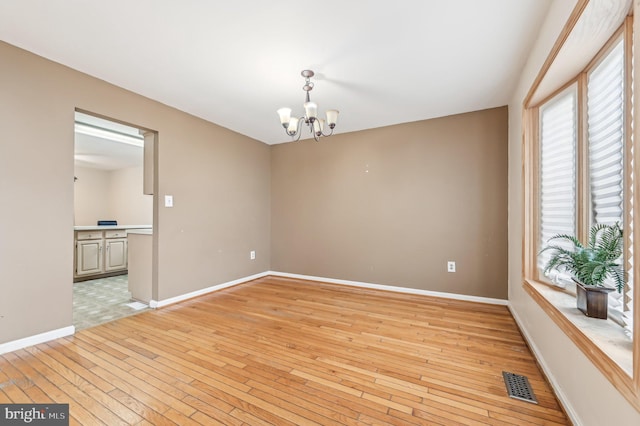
[116, 254]
[88, 257]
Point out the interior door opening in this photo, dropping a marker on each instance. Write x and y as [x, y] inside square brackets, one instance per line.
[113, 200]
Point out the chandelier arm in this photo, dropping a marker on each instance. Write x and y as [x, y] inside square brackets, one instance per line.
[309, 121]
[327, 134]
[298, 133]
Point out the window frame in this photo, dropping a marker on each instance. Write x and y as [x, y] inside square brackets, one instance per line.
[627, 381]
[584, 216]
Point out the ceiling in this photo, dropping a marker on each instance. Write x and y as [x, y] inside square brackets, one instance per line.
[235, 63]
[105, 145]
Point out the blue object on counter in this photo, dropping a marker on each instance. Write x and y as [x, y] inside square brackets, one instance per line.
[107, 222]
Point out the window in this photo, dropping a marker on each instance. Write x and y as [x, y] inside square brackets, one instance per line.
[557, 196]
[596, 164]
[579, 171]
[605, 137]
[603, 149]
[606, 142]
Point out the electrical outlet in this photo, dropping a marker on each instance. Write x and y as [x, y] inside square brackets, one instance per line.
[252, 255]
[168, 200]
[451, 266]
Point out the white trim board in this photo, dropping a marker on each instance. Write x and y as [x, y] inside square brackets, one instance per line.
[36, 339]
[406, 290]
[161, 303]
[67, 331]
[568, 408]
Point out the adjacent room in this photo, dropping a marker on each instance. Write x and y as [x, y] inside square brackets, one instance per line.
[110, 209]
[359, 212]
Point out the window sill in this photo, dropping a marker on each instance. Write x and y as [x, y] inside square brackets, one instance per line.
[602, 341]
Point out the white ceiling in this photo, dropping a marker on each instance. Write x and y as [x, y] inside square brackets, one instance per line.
[99, 153]
[235, 63]
[105, 145]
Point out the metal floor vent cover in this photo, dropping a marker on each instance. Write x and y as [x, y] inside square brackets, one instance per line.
[518, 387]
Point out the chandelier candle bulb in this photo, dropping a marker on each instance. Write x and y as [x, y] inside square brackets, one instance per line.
[332, 117]
[318, 125]
[292, 128]
[311, 109]
[310, 118]
[285, 116]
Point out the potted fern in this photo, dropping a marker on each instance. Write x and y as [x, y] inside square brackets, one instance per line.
[590, 266]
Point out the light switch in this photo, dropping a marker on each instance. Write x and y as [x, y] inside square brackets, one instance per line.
[168, 200]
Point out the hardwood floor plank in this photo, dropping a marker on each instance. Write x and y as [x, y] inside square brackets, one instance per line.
[328, 383]
[4, 398]
[281, 351]
[399, 418]
[249, 419]
[63, 354]
[84, 392]
[14, 382]
[51, 384]
[202, 419]
[339, 402]
[304, 406]
[445, 417]
[211, 408]
[136, 402]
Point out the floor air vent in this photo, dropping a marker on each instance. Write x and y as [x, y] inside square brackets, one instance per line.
[518, 387]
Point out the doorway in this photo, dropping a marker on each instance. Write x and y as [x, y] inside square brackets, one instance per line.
[109, 203]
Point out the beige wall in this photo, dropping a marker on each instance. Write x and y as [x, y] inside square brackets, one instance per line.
[91, 195]
[127, 202]
[587, 394]
[111, 194]
[392, 205]
[220, 181]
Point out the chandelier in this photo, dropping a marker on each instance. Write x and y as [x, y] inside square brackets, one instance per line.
[293, 125]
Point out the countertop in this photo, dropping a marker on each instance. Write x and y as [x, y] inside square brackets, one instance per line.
[108, 227]
[140, 231]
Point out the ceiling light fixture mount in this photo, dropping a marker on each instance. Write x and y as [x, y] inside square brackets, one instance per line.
[292, 125]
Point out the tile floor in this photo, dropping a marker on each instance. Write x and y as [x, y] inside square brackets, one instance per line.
[103, 300]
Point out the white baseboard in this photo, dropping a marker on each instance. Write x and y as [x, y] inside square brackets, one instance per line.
[67, 331]
[573, 416]
[36, 339]
[394, 288]
[161, 303]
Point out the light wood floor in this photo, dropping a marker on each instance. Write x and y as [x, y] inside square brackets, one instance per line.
[286, 352]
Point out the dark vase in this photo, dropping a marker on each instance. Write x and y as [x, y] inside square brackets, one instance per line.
[593, 300]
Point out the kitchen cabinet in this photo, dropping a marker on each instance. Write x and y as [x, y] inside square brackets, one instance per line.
[100, 252]
[115, 254]
[88, 257]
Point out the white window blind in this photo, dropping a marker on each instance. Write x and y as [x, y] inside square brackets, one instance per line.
[606, 142]
[605, 124]
[628, 313]
[557, 169]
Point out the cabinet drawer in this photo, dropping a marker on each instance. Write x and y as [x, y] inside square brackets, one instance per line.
[89, 235]
[120, 233]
